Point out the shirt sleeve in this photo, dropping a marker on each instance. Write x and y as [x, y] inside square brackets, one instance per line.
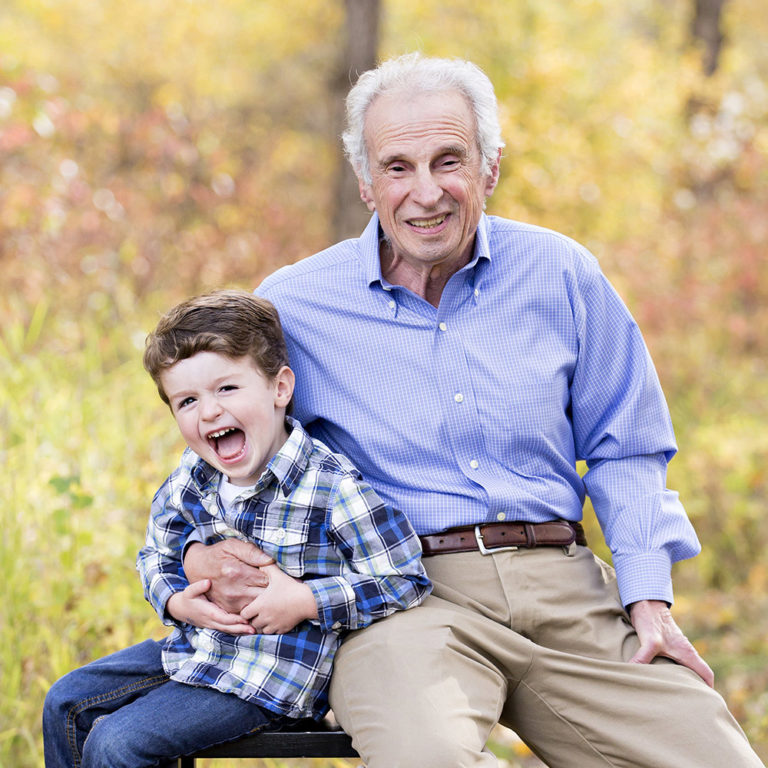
[382, 570]
[623, 430]
[159, 561]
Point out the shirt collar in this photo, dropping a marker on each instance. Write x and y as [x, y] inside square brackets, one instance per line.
[369, 251]
[285, 468]
[369, 248]
[290, 462]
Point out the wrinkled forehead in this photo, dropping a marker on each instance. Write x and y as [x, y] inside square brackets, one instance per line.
[401, 118]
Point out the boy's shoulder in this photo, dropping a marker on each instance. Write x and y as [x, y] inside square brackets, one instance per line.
[319, 457]
[310, 467]
[336, 463]
[191, 475]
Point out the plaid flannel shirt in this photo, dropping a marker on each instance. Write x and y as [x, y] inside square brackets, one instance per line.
[315, 516]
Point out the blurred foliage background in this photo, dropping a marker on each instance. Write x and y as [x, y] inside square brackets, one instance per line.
[153, 149]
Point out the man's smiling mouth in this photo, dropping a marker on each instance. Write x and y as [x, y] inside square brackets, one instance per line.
[428, 223]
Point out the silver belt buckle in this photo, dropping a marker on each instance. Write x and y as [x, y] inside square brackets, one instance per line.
[484, 550]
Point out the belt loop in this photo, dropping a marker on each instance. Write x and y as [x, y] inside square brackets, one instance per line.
[530, 536]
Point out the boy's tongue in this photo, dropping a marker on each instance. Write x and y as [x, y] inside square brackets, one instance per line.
[229, 445]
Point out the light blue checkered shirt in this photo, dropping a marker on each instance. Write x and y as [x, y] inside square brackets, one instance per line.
[478, 410]
[313, 514]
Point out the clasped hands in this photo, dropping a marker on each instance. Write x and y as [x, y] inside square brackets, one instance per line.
[236, 588]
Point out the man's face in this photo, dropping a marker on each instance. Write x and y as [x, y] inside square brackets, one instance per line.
[428, 178]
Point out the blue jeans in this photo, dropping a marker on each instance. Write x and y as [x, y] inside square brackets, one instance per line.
[123, 711]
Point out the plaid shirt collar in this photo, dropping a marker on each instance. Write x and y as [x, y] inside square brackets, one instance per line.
[285, 468]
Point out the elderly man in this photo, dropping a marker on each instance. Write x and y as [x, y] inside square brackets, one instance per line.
[466, 363]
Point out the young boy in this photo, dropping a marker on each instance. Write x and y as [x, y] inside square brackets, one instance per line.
[341, 557]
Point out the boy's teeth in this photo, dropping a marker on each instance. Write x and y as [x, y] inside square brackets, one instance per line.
[427, 223]
[220, 433]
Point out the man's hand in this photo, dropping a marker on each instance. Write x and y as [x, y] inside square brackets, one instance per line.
[233, 568]
[192, 607]
[282, 605]
[660, 636]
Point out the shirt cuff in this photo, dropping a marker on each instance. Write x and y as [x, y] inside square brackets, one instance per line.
[644, 576]
[336, 608]
[194, 538]
[161, 591]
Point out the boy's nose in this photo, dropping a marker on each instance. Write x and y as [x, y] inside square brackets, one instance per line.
[209, 408]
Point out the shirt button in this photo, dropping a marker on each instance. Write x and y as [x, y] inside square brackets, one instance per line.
[458, 397]
[336, 625]
[501, 516]
[477, 292]
[474, 463]
[279, 534]
[443, 327]
[392, 304]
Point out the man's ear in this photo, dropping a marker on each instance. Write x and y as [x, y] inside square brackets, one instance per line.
[366, 194]
[284, 383]
[493, 176]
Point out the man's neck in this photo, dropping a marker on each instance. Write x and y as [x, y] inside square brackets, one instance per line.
[425, 280]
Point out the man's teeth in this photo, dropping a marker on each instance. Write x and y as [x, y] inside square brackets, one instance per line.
[427, 223]
[221, 433]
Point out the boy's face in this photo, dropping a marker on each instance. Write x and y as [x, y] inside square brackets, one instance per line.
[229, 413]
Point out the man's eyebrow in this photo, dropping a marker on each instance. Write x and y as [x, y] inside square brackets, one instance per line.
[458, 150]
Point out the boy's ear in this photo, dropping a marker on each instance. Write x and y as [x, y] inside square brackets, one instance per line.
[284, 383]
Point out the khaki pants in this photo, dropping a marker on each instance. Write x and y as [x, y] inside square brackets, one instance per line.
[536, 640]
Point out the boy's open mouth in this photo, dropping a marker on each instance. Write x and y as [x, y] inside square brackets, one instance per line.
[228, 443]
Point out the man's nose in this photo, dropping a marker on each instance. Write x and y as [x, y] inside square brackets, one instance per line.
[426, 191]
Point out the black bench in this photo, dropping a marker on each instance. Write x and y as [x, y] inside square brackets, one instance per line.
[307, 739]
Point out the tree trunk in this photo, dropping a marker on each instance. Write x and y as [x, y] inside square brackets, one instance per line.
[706, 28]
[350, 215]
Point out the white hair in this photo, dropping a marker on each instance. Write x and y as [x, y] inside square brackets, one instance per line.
[415, 73]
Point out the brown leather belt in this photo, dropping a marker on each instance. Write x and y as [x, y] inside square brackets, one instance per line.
[494, 537]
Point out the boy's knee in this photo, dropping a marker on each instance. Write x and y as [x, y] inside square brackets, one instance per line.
[59, 699]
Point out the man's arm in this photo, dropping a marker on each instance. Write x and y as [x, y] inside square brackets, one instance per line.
[233, 568]
[623, 430]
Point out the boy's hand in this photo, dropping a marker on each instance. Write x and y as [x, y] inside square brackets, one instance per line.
[233, 568]
[191, 606]
[282, 605]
